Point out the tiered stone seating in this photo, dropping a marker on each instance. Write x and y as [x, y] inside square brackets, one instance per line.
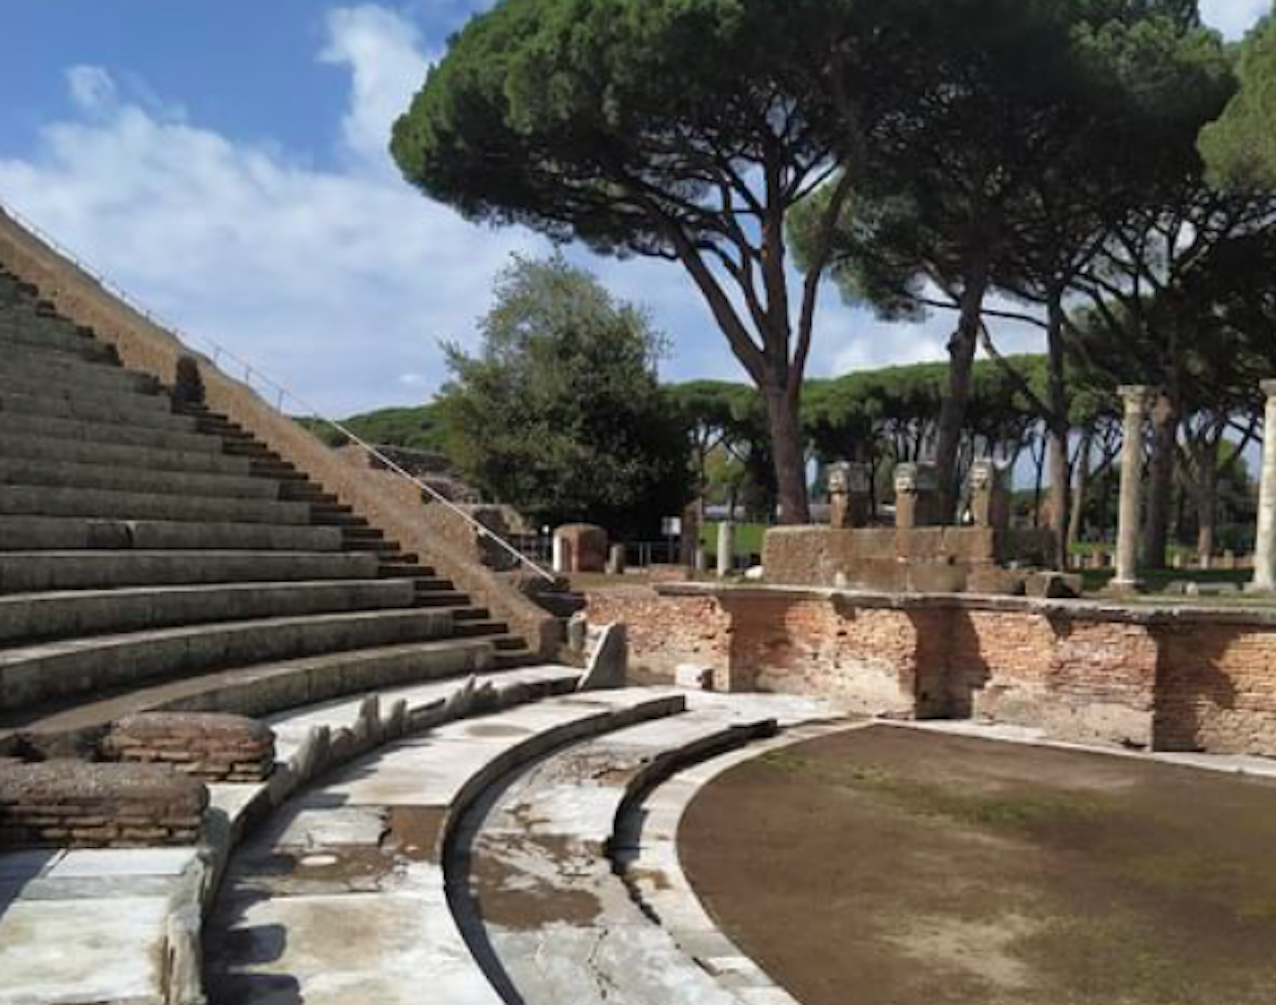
[156, 556]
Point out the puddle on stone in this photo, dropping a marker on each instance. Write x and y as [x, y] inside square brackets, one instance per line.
[414, 832]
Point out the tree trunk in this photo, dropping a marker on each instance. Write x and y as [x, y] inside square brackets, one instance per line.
[1039, 458]
[1060, 428]
[1207, 520]
[1207, 479]
[952, 415]
[1081, 488]
[783, 406]
[1160, 498]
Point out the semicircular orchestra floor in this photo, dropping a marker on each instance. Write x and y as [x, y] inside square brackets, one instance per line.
[891, 866]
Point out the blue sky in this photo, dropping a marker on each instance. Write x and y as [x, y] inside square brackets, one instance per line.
[224, 161]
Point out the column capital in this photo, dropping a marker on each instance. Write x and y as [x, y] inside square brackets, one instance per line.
[1138, 396]
[1268, 387]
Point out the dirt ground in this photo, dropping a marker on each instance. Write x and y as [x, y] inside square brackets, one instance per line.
[893, 867]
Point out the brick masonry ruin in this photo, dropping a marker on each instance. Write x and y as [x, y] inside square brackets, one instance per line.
[213, 748]
[1149, 678]
[73, 804]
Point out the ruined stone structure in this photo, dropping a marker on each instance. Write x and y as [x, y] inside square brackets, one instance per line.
[850, 496]
[918, 554]
[580, 548]
[1165, 679]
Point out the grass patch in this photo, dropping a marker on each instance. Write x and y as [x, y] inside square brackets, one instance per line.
[748, 538]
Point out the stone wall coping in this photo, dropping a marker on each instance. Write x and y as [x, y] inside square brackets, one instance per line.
[1077, 610]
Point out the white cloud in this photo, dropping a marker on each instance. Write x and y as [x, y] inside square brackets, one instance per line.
[91, 87]
[339, 282]
[334, 281]
[383, 52]
[1234, 17]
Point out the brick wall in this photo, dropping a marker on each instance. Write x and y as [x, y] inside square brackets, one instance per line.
[74, 804]
[213, 748]
[664, 632]
[1217, 688]
[1173, 679]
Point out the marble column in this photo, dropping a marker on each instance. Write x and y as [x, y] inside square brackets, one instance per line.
[1138, 402]
[726, 548]
[1265, 552]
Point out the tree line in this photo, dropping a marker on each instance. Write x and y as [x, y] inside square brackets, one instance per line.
[561, 412]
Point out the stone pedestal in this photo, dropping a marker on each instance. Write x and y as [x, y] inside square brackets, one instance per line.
[916, 496]
[989, 495]
[1138, 401]
[850, 496]
[726, 548]
[1265, 553]
[580, 548]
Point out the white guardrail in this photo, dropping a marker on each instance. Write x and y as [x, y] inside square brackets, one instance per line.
[257, 381]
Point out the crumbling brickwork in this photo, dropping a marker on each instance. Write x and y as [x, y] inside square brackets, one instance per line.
[213, 748]
[664, 633]
[1169, 679]
[75, 804]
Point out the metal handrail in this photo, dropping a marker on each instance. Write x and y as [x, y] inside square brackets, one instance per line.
[281, 392]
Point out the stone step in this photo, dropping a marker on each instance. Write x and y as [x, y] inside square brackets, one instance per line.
[441, 598]
[101, 504]
[46, 571]
[26, 355]
[121, 455]
[393, 812]
[51, 335]
[508, 659]
[384, 548]
[14, 289]
[181, 439]
[549, 830]
[42, 373]
[260, 690]
[44, 616]
[136, 409]
[113, 392]
[87, 477]
[48, 672]
[38, 533]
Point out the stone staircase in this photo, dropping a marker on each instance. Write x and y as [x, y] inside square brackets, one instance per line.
[156, 556]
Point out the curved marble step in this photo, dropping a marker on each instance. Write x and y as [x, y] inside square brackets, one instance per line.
[51, 533]
[557, 924]
[185, 438]
[44, 571]
[34, 675]
[45, 616]
[343, 898]
[97, 925]
[257, 690]
[99, 504]
[91, 477]
[207, 459]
